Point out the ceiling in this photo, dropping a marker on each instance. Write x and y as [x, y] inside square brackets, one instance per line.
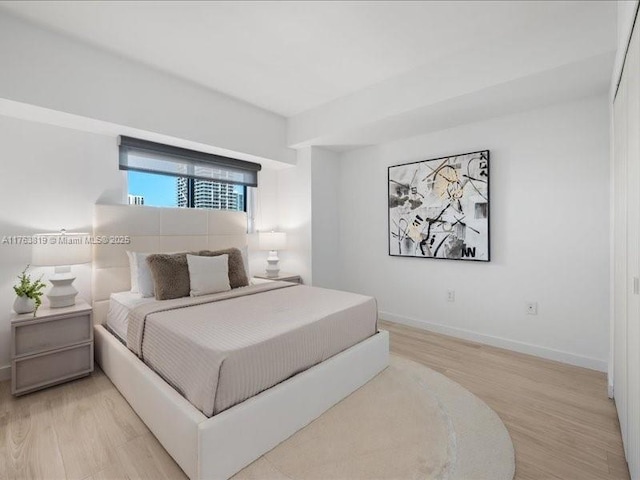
[292, 57]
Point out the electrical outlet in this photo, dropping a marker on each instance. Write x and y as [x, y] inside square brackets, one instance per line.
[451, 295]
[532, 308]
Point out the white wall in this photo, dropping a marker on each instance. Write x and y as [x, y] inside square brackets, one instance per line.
[52, 78]
[50, 178]
[283, 203]
[43, 68]
[265, 216]
[325, 217]
[302, 201]
[549, 235]
[294, 215]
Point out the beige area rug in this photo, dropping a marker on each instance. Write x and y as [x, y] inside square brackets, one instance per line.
[409, 422]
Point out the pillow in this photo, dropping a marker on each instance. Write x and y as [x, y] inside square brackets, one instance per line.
[141, 280]
[132, 269]
[237, 273]
[170, 274]
[208, 274]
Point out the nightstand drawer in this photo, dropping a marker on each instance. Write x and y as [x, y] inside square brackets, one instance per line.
[295, 279]
[41, 336]
[282, 277]
[30, 373]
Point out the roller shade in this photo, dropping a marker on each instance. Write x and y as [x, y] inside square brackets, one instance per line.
[145, 156]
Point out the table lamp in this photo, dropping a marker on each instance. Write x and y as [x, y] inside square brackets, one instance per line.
[272, 241]
[61, 250]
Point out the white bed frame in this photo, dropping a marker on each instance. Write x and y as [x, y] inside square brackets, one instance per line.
[220, 446]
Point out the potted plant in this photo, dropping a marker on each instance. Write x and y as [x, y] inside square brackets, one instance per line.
[29, 293]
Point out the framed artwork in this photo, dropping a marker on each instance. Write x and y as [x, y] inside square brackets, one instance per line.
[439, 208]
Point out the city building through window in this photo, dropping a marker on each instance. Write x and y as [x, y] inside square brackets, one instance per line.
[167, 176]
[156, 190]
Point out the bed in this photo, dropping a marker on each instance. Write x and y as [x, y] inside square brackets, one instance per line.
[215, 421]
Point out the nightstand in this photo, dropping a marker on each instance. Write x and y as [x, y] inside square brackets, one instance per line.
[53, 347]
[282, 277]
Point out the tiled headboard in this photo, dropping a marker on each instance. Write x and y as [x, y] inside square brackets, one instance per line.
[153, 229]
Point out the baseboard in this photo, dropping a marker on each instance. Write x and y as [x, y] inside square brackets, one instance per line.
[516, 346]
[5, 373]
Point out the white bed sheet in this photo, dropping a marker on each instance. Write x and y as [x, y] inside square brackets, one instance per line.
[120, 304]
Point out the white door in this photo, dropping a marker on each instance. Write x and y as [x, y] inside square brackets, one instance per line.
[626, 301]
[620, 253]
[632, 68]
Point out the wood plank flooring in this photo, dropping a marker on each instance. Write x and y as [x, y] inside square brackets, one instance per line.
[562, 424]
[82, 430]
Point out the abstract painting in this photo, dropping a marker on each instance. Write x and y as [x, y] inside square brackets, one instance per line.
[440, 208]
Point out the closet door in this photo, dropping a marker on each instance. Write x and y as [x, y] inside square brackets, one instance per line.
[632, 72]
[620, 255]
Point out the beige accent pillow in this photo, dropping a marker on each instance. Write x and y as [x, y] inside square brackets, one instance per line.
[237, 273]
[208, 274]
[170, 274]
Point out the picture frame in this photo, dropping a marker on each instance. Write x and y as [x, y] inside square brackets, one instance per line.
[440, 208]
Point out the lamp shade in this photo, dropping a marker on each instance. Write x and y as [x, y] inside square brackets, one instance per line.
[58, 249]
[272, 240]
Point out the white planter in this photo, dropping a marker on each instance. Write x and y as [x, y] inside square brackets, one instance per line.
[24, 305]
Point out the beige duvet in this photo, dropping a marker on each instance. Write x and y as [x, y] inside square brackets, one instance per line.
[222, 349]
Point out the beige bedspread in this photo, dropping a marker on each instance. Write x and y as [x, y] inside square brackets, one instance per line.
[222, 349]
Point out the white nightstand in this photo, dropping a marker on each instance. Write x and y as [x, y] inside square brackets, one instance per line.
[54, 347]
[282, 277]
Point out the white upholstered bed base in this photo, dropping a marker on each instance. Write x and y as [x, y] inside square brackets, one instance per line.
[220, 446]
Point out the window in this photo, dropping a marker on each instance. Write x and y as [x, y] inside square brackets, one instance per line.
[165, 176]
[156, 190]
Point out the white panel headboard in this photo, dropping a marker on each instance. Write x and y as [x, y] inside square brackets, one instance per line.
[154, 230]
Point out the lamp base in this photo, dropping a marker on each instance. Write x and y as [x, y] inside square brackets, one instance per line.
[63, 293]
[272, 264]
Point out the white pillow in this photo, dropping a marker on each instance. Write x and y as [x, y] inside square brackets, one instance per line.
[141, 278]
[133, 270]
[208, 274]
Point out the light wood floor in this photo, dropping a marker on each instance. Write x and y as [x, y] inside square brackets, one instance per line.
[562, 423]
[79, 430]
